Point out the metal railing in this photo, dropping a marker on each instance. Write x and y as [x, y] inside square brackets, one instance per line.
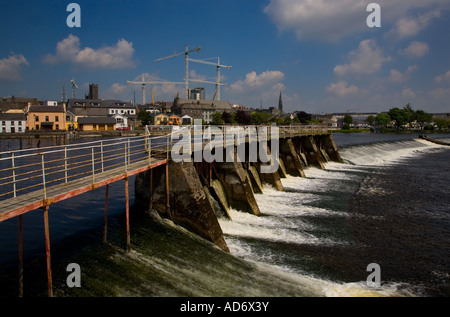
[25, 171]
[297, 129]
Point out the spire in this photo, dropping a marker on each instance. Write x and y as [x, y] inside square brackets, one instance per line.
[280, 104]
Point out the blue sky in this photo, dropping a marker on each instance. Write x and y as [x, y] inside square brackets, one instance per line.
[321, 55]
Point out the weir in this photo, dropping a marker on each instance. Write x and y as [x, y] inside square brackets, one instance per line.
[201, 192]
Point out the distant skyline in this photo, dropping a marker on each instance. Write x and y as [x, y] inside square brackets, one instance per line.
[320, 55]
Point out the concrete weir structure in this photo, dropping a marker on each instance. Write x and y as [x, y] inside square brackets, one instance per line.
[199, 192]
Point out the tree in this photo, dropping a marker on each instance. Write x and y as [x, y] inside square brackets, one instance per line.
[228, 117]
[399, 116]
[304, 117]
[423, 117]
[410, 114]
[145, 117]
[217, 118]
[260, 117]
[348, 120]
[442, 124]
[382, 120]
[370, 120]
[243, 117]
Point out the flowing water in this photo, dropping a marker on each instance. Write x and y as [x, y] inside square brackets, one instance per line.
[387, 204]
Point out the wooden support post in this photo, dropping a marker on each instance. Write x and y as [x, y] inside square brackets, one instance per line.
[106, 213]
[167, 190]
[151, 188]
[47, 252]
[127, 210]
[20, 257]
[210, 175]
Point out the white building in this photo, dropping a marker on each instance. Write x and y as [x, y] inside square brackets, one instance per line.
[12, 122]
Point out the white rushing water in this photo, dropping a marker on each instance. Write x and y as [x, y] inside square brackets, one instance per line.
[284, 216]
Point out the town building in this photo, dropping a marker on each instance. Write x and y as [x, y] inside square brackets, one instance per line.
[49, 118]
[96, 123]
[12, 122]
[200, 109]
[124, 113]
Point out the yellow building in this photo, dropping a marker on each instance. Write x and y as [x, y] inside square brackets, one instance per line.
[161, 119]
[174, 120]
[49, 118]
[96, 123]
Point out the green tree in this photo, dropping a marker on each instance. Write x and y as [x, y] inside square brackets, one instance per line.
[370, 120]
[410, 114]
[399, 116]
[228, 117]
[243, 117]
[382, 120]
[423, 117]
[260, 117]
[442, 124]
[217, 118]
[348, 120]
[145, 117]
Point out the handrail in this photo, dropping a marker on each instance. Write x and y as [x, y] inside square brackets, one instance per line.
[24, 171]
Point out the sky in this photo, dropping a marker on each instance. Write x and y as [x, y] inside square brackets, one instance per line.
[321, 55]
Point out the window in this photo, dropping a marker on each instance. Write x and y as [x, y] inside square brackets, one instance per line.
[36, 118]
[20, 129]
[19, 122]
[3, 122]
[56, 118]
[12, 122]
[47, 118]
[37, 126]
[57, 126]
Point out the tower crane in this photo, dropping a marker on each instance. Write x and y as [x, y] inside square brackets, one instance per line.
[74, 87]
[186, 58]
[218, 65]
[143, 83]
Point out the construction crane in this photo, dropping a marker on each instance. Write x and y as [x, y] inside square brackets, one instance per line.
[218, 65]
[74, 87]
[186, 58]
[143, 83]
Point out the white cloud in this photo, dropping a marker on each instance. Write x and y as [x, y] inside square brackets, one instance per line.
[411, 26]
[10, 68]
[116, 57]
[368, 58]
[330, 20]
[442, 78]
[341, 89]
[415, 49]
[399, 77]
[254, 81]
[407, 93]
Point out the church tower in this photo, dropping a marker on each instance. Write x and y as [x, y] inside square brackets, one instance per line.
[280, 104]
